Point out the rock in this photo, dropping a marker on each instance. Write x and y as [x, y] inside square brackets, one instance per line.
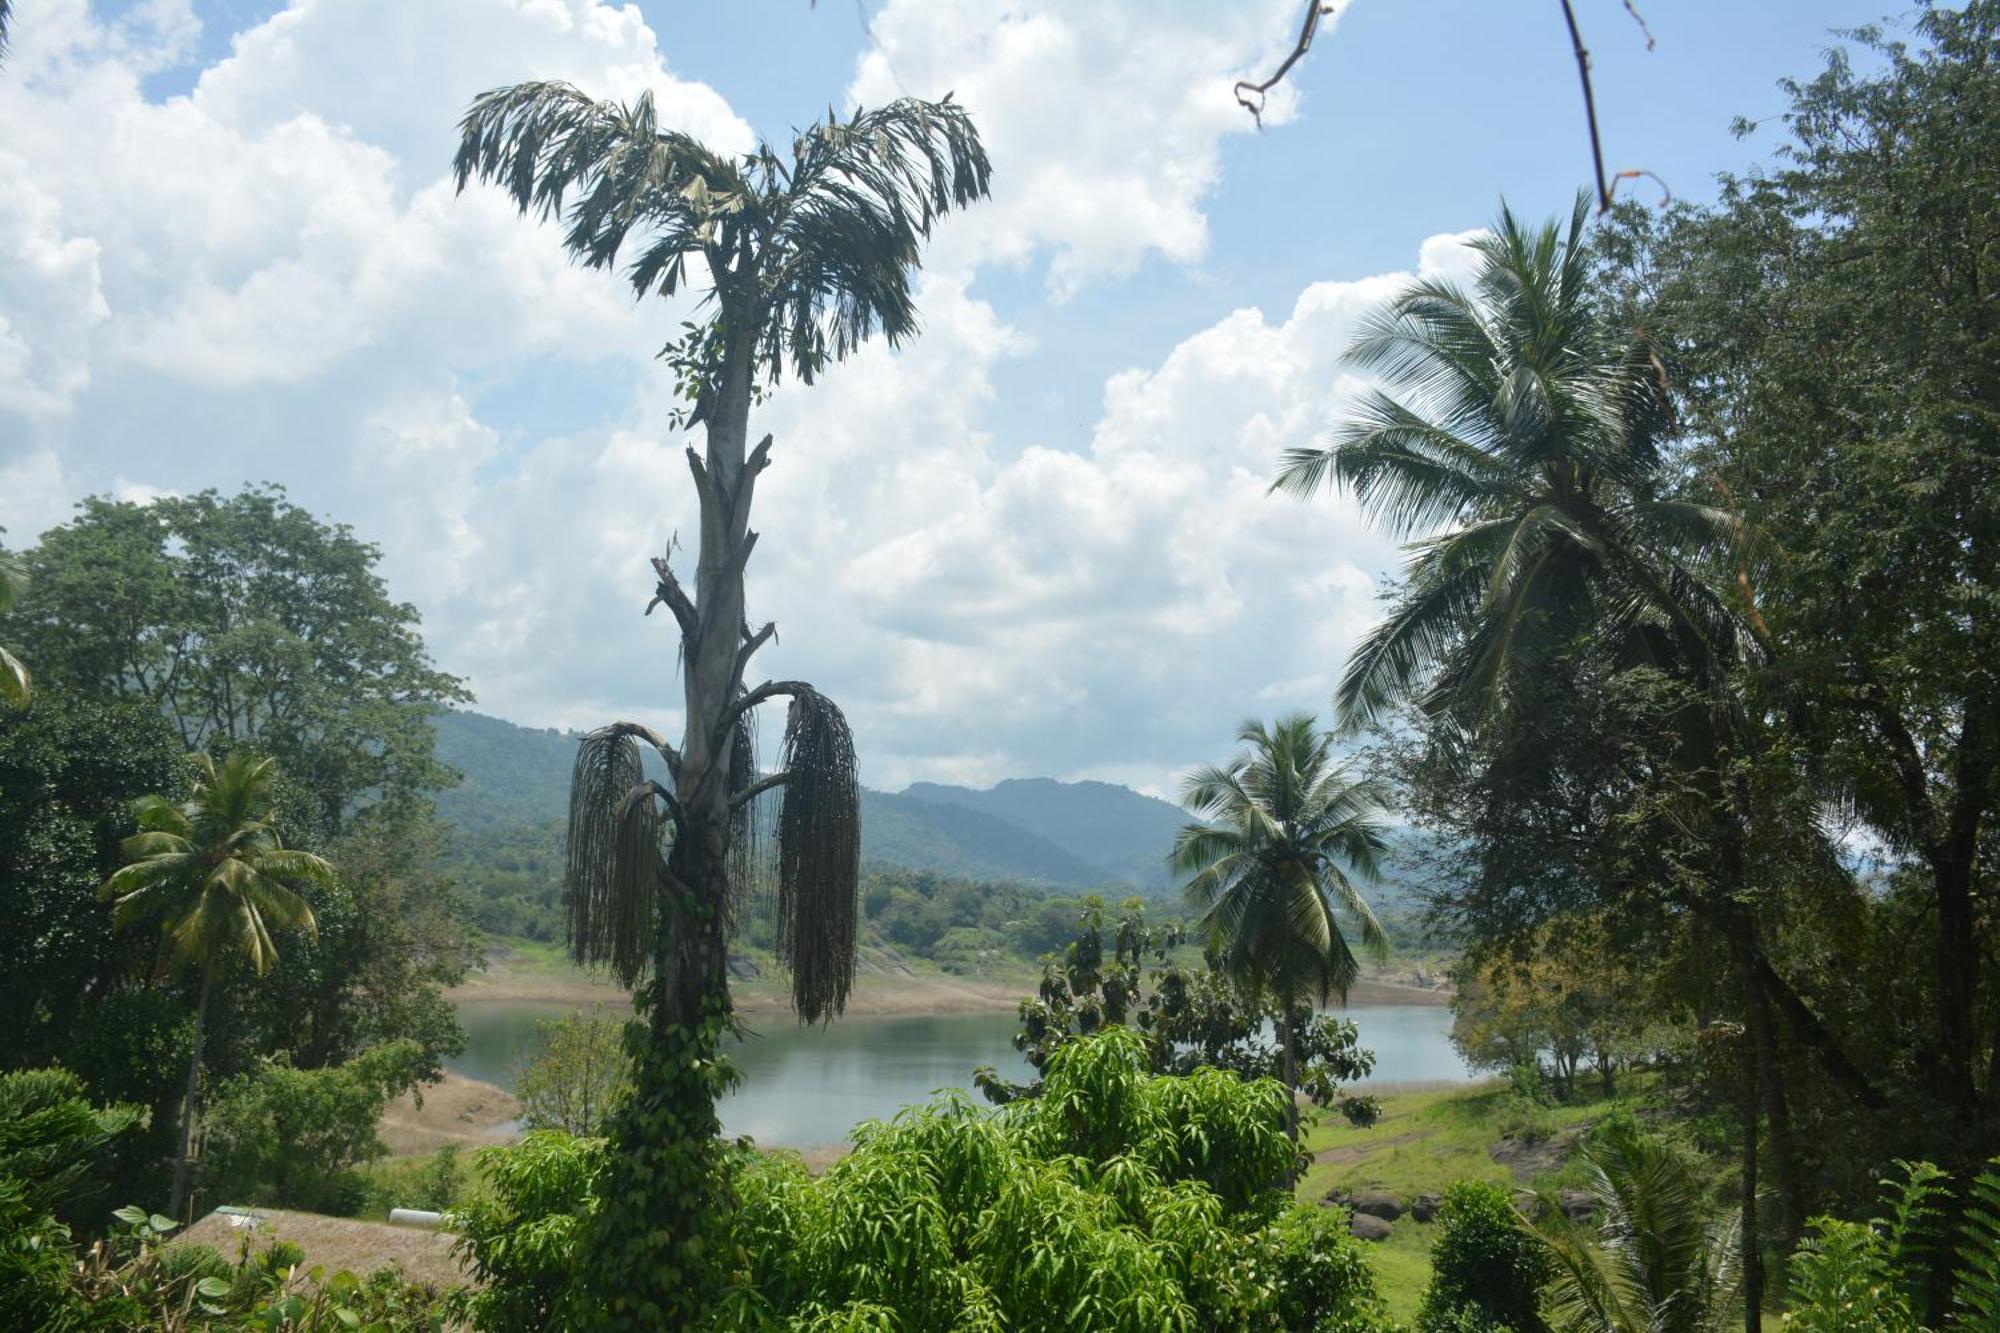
[1425, 1207]
[744, 969]
[1363, 1226]
[1578, 1205]
[1375, 1203]
[1338, 1195]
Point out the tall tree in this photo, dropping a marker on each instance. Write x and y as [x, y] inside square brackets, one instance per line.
[212, 872]
[1522, 432]
[244, 619]
[1284, 831]
[800, 261]
[1868, 460]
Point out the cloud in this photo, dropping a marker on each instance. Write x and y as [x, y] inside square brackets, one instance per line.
[271, 278]
[1104, 121]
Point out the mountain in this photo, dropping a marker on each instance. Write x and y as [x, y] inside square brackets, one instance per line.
[1080, 835]
[1123, 836]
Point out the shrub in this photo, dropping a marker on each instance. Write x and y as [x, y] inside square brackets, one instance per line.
[575, 1073]
[1117, 1199]
[1486, 1271]
[290, 1137]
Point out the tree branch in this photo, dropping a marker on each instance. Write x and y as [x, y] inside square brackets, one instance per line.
[646, 789]
[1815, 1033]
[653, 738]
[1315, 10]
[751, 643]
[676, 599]
[749, 699]
[758, 788]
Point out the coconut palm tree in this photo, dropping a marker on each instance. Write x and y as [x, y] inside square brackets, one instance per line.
[14, 684]
[1518, 433]
[1655, 1262]
[213, 874]
[1519, 437]
[1284, 832]
[799, 258]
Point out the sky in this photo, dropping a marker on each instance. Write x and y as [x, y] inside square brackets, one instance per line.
[1036, 541]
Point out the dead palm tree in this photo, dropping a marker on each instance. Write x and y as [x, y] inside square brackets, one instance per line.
[800, 257]
[215, 876]
[1284, 833]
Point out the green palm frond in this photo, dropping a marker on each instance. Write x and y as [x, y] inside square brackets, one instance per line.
[821, 249]
[211, 871]
[1267, 870]
[1978, 1274]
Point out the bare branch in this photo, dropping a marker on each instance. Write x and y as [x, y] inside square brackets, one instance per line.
[742, 556]
[769, 690]
[1315, 10]
[751, 643]
[676, 599]
[650, 788]
[710, 500]
[1589, 105]
[758, 788]
[653, 738]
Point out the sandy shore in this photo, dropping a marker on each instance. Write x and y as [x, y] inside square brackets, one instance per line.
[875, 994]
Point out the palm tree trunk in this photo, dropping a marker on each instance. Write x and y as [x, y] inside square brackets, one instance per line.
[177, 1199]
[1288, 1041]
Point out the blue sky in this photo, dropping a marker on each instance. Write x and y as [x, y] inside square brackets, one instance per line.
[1035, 542]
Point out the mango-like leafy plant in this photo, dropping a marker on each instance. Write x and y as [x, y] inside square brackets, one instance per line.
[799, 259]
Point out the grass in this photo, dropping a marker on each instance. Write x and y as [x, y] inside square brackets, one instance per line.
[1429, 1137]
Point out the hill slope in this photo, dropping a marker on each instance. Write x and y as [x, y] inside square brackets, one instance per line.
[517, 778]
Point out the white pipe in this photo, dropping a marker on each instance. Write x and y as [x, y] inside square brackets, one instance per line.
[415, 1217]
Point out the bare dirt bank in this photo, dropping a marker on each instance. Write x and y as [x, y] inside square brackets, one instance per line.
[460, 1111]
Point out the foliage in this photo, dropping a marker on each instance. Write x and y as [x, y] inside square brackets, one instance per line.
[130, 1281]
[1118, 1199]
[1283, 829]
[1486, 1271]
[52, 1140]
[14, 683]
[290, 1137]
[243, 619]
[1191, 1017]
[1854, 1275]
[1657, 1262]
[575, 1072]
[1565, 992]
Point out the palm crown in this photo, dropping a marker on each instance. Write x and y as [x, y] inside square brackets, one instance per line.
[213, 870]
[813, 256]
[1518, 431]
[1284, 830]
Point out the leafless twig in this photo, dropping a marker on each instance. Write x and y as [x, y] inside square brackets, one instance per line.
[1247, 88]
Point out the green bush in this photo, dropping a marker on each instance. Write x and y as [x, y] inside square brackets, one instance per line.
[291, 1137]
[1116, 1200]
[1486, 1271]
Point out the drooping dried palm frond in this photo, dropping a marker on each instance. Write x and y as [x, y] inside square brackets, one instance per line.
[819, 856]
[746, 829]
[612, 876]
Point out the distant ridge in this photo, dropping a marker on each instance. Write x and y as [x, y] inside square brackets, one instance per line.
[1070, 834]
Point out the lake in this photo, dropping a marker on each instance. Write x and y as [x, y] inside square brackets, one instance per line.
[804, 1087]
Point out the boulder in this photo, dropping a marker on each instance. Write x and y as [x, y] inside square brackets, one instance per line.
[1425, 1207]
[1376, 1203]
[1578, 1205]
[744, 968]
[1363, 1226]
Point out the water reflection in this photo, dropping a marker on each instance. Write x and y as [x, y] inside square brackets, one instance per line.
[809, 1086]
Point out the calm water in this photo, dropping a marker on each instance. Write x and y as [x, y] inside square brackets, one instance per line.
[808, 1086]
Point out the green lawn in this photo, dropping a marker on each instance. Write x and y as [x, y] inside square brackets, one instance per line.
[1425, 1140]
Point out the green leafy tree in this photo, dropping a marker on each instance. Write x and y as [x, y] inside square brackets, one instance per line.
[1655, 1262]
[802, 260]
[1193, 1017]
[244, 619]
[1486, 1270]
[1866, 461]
[213, 874]
[1271, 867]
[575, 1072]
[291, 1137]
